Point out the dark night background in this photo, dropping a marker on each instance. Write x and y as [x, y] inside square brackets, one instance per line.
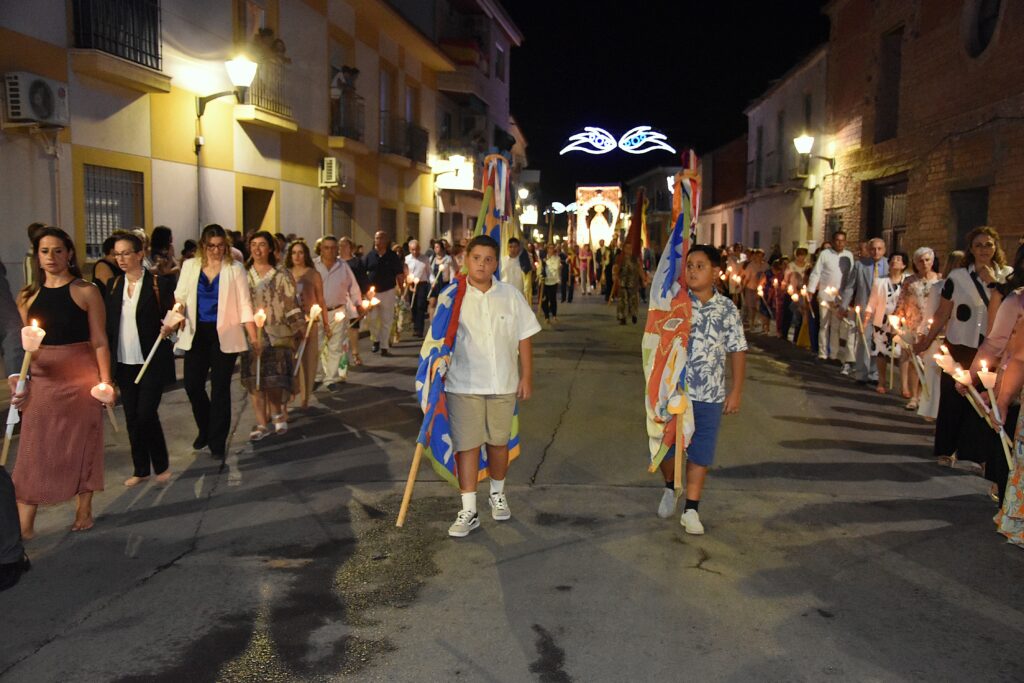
[684, 67]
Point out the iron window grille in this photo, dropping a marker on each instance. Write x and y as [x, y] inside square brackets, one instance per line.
[114, 200]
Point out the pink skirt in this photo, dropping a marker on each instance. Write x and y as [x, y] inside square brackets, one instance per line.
[60, 451]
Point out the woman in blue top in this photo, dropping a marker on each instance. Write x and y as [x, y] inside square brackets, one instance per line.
[218, 320]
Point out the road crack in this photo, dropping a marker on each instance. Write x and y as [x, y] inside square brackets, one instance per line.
[561, 417]
[704, 557]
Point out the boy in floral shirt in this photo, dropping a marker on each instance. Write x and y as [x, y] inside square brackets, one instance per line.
[716, 331]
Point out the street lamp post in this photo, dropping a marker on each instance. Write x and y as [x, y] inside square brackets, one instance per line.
[804, 144]
[241, 71]
[455, 160]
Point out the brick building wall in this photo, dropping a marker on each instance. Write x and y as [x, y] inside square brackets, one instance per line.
[959, 129]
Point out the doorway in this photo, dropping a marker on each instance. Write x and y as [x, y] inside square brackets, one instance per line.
[887, 212]
[257, 210]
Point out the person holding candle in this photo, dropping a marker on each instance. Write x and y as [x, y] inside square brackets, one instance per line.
[916, 297]
[342, 287]
[831, 269]
[418, 273]
[309, 288]
[213, 291]
[73, 357]
[885, 295]
[136, 305]
[384, 268]
[963, 312]
[272, 291]
[856, 293]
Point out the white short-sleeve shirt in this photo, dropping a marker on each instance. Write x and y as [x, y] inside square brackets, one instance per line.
[491, 325]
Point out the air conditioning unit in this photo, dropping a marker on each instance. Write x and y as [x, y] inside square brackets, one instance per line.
[33, 99]
[330, 172]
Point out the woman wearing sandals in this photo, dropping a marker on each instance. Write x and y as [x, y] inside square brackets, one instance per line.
[136, 305]
[60, 453]
[267, 369]
[914, 301]
[218, 319]
[309, 287]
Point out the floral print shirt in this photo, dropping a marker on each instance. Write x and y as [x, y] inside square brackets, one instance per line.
[715, 330]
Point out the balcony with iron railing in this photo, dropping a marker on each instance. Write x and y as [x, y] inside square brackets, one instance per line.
[119, 41]
[268, 89]
[348, 116]
[402, 140]
[129, 29]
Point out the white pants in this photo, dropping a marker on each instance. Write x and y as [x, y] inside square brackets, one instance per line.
[834, 335]
[380, 318]
[333, 351]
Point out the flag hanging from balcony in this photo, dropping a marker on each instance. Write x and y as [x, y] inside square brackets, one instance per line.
[435, 359]
[667, 334]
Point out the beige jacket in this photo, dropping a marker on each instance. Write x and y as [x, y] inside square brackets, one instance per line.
[234, 305]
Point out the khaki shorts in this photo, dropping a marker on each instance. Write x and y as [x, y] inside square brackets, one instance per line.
[478, 419]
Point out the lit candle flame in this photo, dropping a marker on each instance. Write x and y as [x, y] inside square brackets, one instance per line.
[35, 323]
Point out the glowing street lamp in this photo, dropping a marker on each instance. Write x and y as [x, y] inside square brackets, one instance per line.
[523, 193]
[804, 144]
[241, 71]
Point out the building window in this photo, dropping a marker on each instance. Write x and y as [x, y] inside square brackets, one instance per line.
[981, 17]
[808, 110]
[780, 145]
[114, 200]
[970, 211]
[887, 103]
[724, 240]
[887, 212]
[389, 222]
[757, 239]
[759, 159]
[386, 95]
[412, 225]
[499, 63]
[130, 30]
[412, 104]
[341, 219]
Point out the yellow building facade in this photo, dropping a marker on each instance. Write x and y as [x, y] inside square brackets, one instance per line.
[107, 135]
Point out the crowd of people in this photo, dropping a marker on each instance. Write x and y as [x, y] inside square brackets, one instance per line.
[288, 314]
[935, 333]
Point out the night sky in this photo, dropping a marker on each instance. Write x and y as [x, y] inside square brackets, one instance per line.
[686, 68]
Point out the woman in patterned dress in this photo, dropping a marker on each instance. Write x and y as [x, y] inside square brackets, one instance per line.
[309, 288]
[60, 452]
[273, 291]
[915, 299]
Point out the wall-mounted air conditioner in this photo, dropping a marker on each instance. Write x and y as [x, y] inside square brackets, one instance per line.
[29, 98]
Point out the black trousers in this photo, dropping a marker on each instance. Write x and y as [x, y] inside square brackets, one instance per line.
[11, 549]
[549, 303]
[212, 413]
[141, 403]
[607, 291]
[955, 425]
[419, 307]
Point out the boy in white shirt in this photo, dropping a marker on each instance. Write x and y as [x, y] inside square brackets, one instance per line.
[484, 380]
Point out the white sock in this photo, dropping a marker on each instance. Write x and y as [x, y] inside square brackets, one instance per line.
[497, 486]
[469, 502]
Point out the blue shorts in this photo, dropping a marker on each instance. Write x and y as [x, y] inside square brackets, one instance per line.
[707, 418]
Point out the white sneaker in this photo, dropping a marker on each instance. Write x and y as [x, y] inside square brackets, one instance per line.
[667, 506]
[691, 522]
[499, 507]
[465, 522]
[846, 370]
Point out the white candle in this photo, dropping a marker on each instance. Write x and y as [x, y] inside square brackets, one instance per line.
[32, 336]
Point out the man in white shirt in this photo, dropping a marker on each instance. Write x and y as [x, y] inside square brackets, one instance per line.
[511, 268]
[341, 293]
[484, 380]
[417, 273]
[830, 272]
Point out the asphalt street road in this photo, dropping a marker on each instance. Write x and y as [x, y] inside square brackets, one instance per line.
[836, 548]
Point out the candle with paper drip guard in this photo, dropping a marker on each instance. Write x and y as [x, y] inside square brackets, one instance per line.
[988, 380]
[860, 326]
[260, 318]
[314, 315]
[171, 320]
[974, 398]
[31, 337]
[760, 293]
[339, 316]
[104, 393]
[897, 324]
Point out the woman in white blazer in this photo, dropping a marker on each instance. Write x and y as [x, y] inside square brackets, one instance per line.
[218, 326]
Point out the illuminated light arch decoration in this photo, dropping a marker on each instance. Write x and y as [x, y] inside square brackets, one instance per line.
[600, 204]
[637, 140]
